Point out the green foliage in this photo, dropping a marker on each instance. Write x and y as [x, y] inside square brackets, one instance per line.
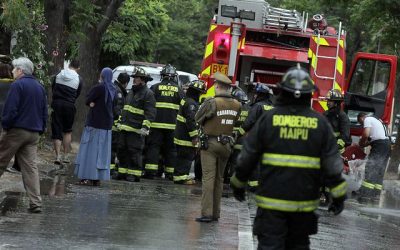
[26, 20]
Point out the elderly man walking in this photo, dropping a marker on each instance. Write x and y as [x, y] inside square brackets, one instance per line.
[24, 118]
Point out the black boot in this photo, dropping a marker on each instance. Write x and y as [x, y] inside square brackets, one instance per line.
[119, 176]
[132, 178]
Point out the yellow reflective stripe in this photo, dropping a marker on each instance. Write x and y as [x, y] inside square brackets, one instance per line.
[253, 183]
[183, 102]
[209, 49]
[341, 42]
[181, 118]
[297, 161]
[128, 128]
[167, 105]
[378, 186]
[114, 128]
[286, 205]
[324, 104]
[336, 134]
[183, 143]
[368, 185]
[181, 178]
[206, 71]
[193, 133]
[146, 123]
[267, 107]
[212, 27]
[169, 170]
[151, 167]
[135, 172]
[340, 143]
[241, 131]
[339, 65]
[112, 166]
[310, 53]
[339, 191]
[322, 41]
[163, 125]
[238, 146]
[237, 183]
[122, 170]
[314, 61]
[227, 31]
[134, 110]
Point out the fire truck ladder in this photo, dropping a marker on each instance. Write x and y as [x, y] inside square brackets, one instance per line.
[283, 18]
[328, 57]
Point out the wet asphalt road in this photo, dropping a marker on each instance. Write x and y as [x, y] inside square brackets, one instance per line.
[156, 214]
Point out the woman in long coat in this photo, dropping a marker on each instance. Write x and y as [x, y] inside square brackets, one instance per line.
[94, 157]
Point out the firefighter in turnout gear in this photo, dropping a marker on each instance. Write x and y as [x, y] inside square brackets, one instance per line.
[137, 115]
[168, 98]
[217, 117]
[241, 96]
[119, 102]
[186, 133]
[261, 104]
[338, 119]
[298, 149]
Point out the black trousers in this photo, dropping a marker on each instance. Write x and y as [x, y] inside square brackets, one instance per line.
[160, 141]
[129, 154]
[284, 230]
[114, 148]
[185, 157]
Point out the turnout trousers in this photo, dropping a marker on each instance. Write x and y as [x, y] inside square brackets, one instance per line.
[160, 140]
[375, 168]
[185, 157]
[284, 230]
[130, 150]
[114, 150]
[213, 163]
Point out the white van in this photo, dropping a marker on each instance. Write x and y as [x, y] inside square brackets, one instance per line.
[183, 77]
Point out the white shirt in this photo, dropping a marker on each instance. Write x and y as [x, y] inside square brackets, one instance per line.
[377, 132]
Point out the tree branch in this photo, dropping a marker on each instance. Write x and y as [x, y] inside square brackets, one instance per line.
[109, 15]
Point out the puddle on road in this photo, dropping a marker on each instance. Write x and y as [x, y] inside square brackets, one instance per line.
[11, 202]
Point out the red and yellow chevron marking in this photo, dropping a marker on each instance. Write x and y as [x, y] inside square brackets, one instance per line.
[325, 67]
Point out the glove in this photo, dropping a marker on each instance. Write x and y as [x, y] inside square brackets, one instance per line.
[238, 193]
[195, 141]
[144, 132]
[337, 206]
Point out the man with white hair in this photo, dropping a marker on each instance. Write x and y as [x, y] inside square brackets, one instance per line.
[23, 119]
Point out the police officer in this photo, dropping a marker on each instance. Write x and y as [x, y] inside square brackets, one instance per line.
[241, 96]
[136, 117]
[168, 97]
[186, 133]
[119, 101]
[338, 119]
[375, 135]
[262, 102]
[299, 147]
[217, 117]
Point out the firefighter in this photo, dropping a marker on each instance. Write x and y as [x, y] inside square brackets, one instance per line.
[241, 96]
[217, 117]
[374, 134]
[168, 97]
[137, 115]
[298, 149]
[120, 83]
[262, 102]
[186, 133]
[338, 119]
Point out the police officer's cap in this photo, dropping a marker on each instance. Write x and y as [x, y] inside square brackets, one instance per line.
[222, 78]
[140, 72]
[297, 81]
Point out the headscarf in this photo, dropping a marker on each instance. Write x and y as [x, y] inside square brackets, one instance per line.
[106, 78]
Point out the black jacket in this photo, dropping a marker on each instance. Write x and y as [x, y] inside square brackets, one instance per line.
[119, 100]
[139, 110]
[186, 128]
[296, 148]
[255, 112]
[340, 123]
[168, 96]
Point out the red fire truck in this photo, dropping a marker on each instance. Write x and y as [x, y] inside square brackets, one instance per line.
[252, 42]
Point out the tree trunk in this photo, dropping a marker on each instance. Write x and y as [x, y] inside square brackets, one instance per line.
[57, 18]
[89, 57]
[5, 41]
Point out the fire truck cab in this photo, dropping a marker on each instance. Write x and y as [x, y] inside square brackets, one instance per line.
[255, 43]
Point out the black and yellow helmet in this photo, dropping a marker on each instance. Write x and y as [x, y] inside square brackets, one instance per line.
[198, 85]
[169, 71]
[140, 72]
[297, 81]
[334, 95]
[240, 95]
